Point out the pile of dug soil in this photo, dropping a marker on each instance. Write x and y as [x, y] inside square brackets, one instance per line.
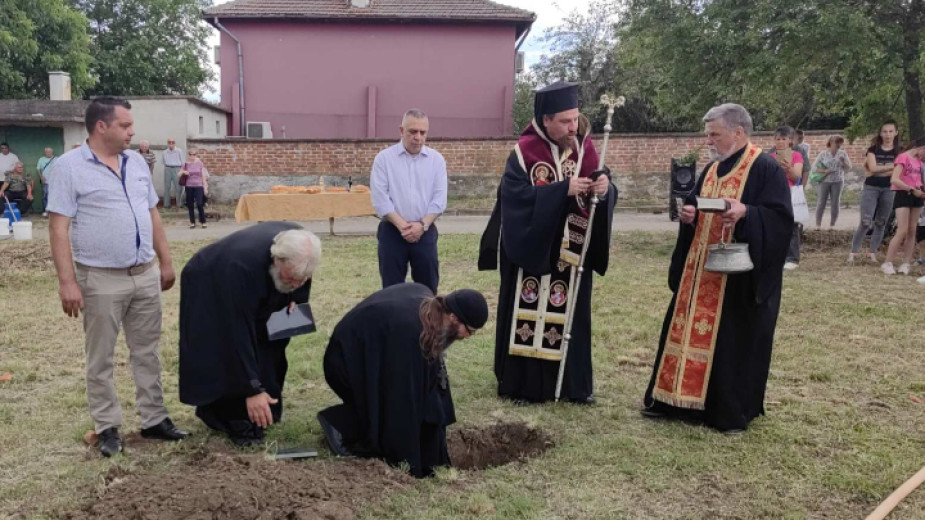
[496, 445]
[235, 487]
[828, 240]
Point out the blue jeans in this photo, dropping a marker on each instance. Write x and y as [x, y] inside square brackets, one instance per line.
[45, 197]
[793, 252]
[875, 205]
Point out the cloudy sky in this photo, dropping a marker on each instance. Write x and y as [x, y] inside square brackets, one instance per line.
[548, 14]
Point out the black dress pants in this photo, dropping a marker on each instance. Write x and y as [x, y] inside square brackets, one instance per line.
[395, 253]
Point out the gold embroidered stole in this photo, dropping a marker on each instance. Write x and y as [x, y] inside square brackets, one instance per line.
[541, 302]
[687, 360]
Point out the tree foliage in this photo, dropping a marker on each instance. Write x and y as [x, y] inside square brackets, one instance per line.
[806, 63]
[37, 37]
[524, 85]
[147, 47]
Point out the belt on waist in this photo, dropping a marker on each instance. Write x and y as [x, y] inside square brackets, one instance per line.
[134, 270]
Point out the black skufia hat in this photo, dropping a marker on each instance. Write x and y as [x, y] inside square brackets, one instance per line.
[469, 307]
[555, 98]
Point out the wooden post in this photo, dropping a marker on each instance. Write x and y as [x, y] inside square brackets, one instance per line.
[331, 224]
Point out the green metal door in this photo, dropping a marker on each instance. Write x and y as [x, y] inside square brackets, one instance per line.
[28, 143]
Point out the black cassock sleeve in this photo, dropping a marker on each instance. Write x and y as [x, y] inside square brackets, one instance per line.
[598, 256]
[532, 219]
[767, 226]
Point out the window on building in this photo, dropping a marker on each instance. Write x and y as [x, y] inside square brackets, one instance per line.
[202, 125]
[218, 128]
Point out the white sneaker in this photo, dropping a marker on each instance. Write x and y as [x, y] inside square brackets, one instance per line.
[790, 266]
[872, 258]
[921, 280]
[45, 214]
[850, 259]
[887, 268]
[903, 268]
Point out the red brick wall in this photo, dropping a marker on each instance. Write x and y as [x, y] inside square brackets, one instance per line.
[627, 154]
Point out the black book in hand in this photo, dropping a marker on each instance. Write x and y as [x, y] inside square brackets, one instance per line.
[284, 324]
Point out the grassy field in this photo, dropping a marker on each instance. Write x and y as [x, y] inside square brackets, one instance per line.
[845, 423]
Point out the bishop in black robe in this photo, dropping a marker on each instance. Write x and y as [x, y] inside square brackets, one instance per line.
[537, 231]
[226, 297]
[750, 301]
[396, 400]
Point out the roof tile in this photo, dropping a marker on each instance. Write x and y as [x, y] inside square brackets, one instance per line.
[435, 10]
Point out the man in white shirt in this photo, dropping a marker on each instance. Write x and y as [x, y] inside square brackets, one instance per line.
[8, 159]
[173, 161]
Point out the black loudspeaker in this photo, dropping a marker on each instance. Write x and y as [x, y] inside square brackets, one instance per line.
[681, 184]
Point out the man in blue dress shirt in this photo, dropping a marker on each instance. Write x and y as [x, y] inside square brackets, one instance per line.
[408, 185]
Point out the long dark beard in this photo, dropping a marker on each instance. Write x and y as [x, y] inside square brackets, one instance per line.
[567, 143]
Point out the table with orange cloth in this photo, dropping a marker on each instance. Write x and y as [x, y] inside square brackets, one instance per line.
[263, 207]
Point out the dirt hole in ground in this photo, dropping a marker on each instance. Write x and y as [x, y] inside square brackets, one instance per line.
[489, 446]
[221, 486]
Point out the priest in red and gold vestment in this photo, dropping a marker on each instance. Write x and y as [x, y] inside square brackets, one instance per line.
[715, 349]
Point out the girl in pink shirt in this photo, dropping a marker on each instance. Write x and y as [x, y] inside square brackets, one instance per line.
[906, 181]
[792, 163]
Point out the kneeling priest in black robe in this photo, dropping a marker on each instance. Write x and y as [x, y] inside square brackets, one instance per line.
[715, 348]
[385, 360]
[229, 368]
[543, 212]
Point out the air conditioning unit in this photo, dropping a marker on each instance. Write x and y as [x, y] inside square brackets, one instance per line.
[519, 62]
[259, 130]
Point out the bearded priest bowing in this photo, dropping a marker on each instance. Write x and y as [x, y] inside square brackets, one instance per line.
[715, 348]
[539, 225]
[230, 369]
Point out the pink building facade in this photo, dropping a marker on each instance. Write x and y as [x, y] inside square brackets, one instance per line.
[314, 79]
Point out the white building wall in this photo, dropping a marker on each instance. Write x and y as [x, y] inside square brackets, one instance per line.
[158, 119]
[214, 122]
[74, 134]
[155, 121]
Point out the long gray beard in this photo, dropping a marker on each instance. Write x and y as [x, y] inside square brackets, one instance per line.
[281, 286]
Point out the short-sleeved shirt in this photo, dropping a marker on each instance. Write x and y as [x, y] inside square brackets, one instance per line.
[17, 182]
[803, 148]
[110, 219]
[7, 162]
[44, 166]
[883, 158]
[196, 171]
[795, 158]
[173, 158]
[912, 171]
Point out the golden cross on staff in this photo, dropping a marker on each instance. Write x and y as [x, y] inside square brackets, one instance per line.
[611, 103]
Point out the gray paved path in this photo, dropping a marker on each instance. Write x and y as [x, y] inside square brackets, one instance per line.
[179, 231]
